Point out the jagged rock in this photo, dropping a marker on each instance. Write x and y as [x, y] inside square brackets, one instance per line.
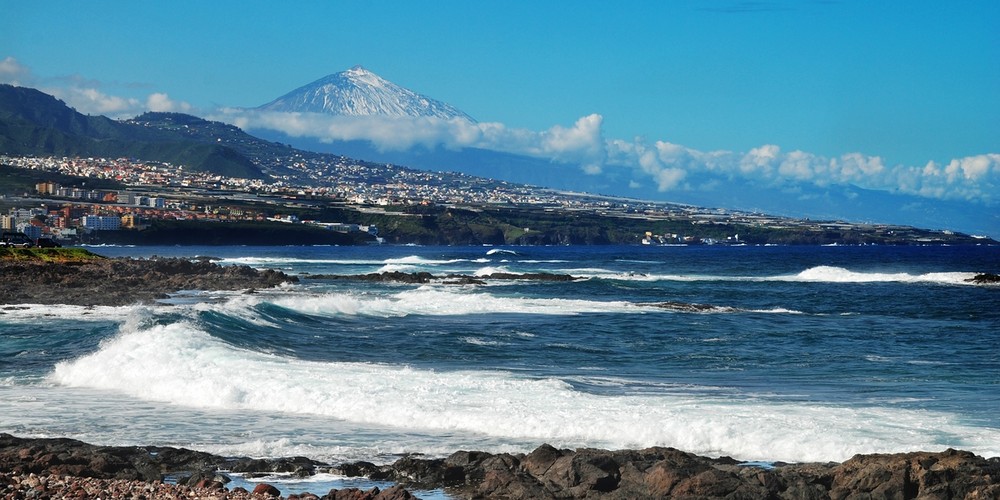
[548, 472]
[124, 281]
[436, 472]
[393, 493]
[583, 472]
[462, 279]
[985, 279]
[470, 463]
[298, 466]
[204, 478]
[949, 474]
[383, 277]
[504, 478]
[545, 473]
[685, 307]
[532, 276]
[266, 490]
[359, 469]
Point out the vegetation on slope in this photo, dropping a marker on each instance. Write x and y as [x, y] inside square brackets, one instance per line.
[35, 123]
[15, 181]
[62, 255]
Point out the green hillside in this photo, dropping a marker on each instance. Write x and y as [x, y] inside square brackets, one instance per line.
[35, 123]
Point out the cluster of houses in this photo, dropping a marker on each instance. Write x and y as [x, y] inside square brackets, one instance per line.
[115, 211]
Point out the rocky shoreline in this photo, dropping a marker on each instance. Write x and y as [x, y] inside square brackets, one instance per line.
[123, 281]
[66, 468]
[99, 281]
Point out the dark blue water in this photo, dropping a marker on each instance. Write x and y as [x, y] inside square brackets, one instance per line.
[790, 353]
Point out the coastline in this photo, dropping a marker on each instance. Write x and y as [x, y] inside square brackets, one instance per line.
[546, 472]
[66, 468]
[55, 276]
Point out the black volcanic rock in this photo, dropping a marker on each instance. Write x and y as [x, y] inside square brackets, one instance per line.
[548, 472]
[75, 458]
[985, 279]
[124, 281]
[545, 473]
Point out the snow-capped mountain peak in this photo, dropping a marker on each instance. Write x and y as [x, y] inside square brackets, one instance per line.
[360, 92]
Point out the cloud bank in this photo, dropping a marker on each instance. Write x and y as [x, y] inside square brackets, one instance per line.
[668, 166]
[13, 72]
[664, 165]
[88, 96]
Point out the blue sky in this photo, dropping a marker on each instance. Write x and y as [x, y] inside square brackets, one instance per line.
[909, 85]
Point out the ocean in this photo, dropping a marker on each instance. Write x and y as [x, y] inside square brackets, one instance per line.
[791, 354]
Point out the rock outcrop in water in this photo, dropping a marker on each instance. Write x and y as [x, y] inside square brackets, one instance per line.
[58, 465]
[985, 279]
[122, 281]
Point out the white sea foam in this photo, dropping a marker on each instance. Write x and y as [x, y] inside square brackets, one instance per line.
[418, 260]
[818, 274]
[434, 300]
[500, 251]
[775, 310]
[483, 342]
[181, 365]
[488, 270]
[241, 306]
[650, 277]
[34, 312]
[271, 261]
[830, 274]
[397, 268]
[441, 301]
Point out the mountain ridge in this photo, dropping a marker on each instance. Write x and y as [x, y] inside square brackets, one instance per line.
[701, 188]
[360, 92]
[35, 123]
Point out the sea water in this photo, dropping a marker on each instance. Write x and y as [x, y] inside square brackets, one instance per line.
[760, 353]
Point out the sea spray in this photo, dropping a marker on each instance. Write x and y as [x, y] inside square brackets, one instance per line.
[180, 364]
[776, 353]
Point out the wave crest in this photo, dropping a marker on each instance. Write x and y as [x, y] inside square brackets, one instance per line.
[180, 364]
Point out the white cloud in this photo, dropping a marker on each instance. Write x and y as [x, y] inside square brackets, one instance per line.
[581, 143]
[88, 96]
[159, 101]
[14, 73]
[94, 102]
[662, 164]
[665, 165]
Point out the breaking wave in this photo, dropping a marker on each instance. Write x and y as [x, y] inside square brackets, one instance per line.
[181, 364]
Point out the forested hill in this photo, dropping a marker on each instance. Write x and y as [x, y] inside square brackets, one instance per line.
[33, 123]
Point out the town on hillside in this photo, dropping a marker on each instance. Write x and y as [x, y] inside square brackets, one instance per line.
[142, 193]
